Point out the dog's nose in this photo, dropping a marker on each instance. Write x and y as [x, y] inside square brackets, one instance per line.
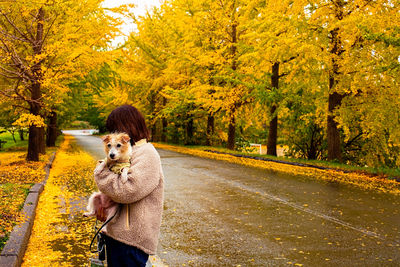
[112, 156]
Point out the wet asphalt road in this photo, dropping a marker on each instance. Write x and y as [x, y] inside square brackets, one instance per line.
[222, 214]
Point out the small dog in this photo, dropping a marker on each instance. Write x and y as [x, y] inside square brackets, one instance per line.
[118, 150]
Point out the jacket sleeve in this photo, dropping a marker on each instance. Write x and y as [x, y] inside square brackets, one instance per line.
[143, 177]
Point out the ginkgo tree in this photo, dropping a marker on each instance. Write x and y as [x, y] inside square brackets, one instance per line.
[43, 44]
[278, 46]
[349, 60]
[206, 58]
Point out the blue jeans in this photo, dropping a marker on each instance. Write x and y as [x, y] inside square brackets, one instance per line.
[121, 255]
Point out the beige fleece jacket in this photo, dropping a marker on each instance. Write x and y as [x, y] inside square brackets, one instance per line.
[139, 218]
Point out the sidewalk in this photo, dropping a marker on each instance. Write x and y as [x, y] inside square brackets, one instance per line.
[61, 235]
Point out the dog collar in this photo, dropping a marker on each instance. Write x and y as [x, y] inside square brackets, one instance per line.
[141, 142]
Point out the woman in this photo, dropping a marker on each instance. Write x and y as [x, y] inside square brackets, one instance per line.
[133, 233]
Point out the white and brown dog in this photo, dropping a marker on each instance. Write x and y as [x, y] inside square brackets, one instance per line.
[118, 150]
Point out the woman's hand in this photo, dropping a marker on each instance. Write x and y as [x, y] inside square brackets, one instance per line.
[101, 214]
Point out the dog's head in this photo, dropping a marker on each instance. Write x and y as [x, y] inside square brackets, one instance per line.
[117, 147]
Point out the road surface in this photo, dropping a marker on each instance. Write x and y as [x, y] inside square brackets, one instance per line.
[222, 214]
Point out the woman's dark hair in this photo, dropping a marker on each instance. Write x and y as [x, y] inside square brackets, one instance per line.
[129, 120]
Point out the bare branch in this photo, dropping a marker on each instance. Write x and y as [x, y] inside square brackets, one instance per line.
[9, 71]
[13, 90]
[283, 74]
[15, 26]
[9, 77]
[19, 93]
[290, 59]
[29, 31]
[48, 30]
[20, 106]
[10, 36]
[282, 32]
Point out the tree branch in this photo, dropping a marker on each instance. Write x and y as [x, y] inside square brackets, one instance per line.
[290, 59]
[8, 35]
[15, 26]
[48, 30]
[20, 106]
[9, 77]
[359, 7]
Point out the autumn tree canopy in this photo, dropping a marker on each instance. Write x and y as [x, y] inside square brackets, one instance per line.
[321, 77]
[44, 44]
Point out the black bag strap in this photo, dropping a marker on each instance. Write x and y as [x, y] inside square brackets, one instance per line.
[98, 231]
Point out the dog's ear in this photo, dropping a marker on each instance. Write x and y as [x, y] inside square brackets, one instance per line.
[125, 138]
[106, 138]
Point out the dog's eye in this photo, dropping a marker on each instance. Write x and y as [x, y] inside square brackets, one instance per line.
[118, 145]
[109, 145]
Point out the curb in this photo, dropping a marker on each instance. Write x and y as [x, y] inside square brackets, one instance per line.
[14, 250]
[278, 161]
[397, 179]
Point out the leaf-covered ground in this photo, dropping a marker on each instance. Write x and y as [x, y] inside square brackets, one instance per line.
[380, 183]
[15, 169]
[16, 177]
[12, 200]
[61, 235]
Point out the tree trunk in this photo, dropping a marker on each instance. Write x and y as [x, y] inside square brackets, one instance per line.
[42, 140]
[164, 125]
[272, 133]
[33, 147]
[153, 132]
[273, 124]
[334, 100]
[231, 133]
[312, 149]
[34, 131]
[232, 124]
[189, 132]
[164, 130]
[153, 125]
[52, 130]
[36, 142]
[13, 135]
[210, 129]
[333, 134]
[21, 135]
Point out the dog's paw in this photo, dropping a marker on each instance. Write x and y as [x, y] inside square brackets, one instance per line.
[100, 166]
[124, 175]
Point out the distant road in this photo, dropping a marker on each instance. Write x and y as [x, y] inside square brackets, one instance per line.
[80, 132]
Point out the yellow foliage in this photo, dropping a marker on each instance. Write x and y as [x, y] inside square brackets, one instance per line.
[73, 41]
[27, 120]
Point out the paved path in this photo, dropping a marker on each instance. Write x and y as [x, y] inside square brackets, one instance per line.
[222, 214]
